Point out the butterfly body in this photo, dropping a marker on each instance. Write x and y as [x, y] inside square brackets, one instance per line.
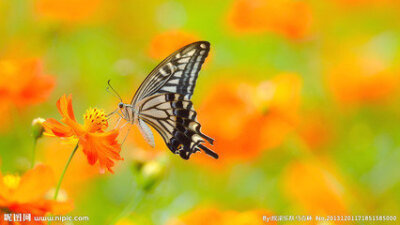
[163, 102]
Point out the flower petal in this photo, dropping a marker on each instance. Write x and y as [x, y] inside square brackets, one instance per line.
[102, 147]
[38, 85]
[52, 126]
[64, 105]
[69, 108]
[34, 184]
[59, 208]
[4, 192]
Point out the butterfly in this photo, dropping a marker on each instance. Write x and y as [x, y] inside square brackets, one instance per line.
[163, 102]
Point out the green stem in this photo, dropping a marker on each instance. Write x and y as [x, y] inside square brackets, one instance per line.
[131, 206]
[33, 152]
[65, 169]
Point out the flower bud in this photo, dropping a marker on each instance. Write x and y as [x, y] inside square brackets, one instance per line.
[151, 173]
[37, 128]
[61, 197]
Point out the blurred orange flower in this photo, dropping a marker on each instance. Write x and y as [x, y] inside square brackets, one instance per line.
[22, 83]
[168, 42]
[314, 189]
[213, 216]
[356, 80]
[315, 129]
[279, 99]
[27, 194]
[356, 3]
[228, 118]
[67, 10]
[289, 18]
[97, 144]
[246, 119]
[80, 173]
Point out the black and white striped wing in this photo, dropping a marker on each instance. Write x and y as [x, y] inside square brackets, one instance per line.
[173, 116]
[175, 74]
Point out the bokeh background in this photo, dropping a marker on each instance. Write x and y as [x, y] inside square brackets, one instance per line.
[302, 98]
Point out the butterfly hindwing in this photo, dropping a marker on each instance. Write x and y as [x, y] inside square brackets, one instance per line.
[173, 116]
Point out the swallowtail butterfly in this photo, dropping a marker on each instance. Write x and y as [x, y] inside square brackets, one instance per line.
[163, 102]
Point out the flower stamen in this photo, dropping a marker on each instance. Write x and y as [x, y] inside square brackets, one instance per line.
[11, 181]
[95, 120]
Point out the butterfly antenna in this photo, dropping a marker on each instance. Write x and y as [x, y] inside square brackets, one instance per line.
[114, 92]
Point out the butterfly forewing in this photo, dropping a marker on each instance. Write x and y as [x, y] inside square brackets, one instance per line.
[163, 101]
[175, 74]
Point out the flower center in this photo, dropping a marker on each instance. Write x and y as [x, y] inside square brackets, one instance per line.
[11, 181]
[95, 120]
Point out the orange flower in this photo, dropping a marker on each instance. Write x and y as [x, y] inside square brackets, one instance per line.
[289, 18]
[315, 129]
[213, 216]
[314, 189]
[97, 144]
[373, 3]
[166, 43]
[228, 118]
[67, 10]
[22, 83]
[363, 79]
[246, 119]
[279, 99]
[27, 194]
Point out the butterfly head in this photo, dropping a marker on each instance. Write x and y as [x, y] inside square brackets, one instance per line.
[121, 105]
[127, 111]
[123, 109]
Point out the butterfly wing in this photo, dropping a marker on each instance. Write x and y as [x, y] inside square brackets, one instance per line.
[146, 133]
[175, 74]
[163, 101]
[173, 116]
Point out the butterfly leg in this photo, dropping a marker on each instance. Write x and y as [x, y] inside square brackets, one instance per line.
[127, 133]
[117, 124]
[112, 113]
[124, 125]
